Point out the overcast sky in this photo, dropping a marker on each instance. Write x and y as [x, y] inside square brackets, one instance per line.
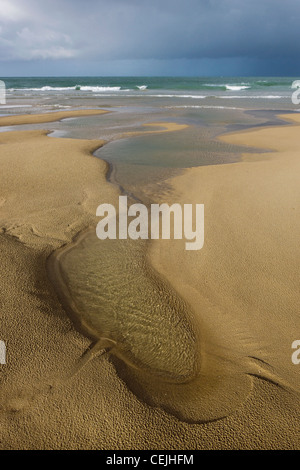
[149, 37]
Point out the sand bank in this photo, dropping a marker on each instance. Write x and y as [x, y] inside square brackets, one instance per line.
[244, 284]
[47, 117]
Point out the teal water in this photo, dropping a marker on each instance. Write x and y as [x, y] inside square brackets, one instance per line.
[208, 84]
[173, 93]
[208, 105]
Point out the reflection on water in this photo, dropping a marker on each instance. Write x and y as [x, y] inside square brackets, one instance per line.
[150, 159]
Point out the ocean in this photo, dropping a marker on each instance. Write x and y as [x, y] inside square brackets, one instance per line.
[209, 105]
[180, 87]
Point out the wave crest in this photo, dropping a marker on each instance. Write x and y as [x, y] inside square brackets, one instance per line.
[237, 87]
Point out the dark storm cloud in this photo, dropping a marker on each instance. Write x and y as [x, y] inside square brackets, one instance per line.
[152, 29]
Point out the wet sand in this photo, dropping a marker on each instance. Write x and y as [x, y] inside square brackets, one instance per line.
[47, 117]
[244, 284]
[242, 288]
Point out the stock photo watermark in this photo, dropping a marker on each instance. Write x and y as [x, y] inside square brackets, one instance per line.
[296, 343]
[156, 459]
[156, 224]
[2, 352]
[2, 92]
[296, 353]
[2, 343]
[296, 94]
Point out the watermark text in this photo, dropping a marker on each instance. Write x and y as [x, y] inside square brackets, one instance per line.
[296, 353]
[296, 94]
[136, 222]
[2, 352]
[2, 92]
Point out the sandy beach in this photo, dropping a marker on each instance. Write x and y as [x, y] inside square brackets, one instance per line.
[242, 289]
[47, 117]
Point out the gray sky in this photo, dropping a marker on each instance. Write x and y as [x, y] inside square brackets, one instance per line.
[149, 37]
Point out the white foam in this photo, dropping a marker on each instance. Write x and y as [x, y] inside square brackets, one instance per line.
[100, 88]
[203, 107]
[202, 97]
[242, 86]
[236, 87]
[253, 97]
[16, 106]
[54, 106]
[44, 88]
[217, 85]
[142, 87]
[195, 97]
[75, 88]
